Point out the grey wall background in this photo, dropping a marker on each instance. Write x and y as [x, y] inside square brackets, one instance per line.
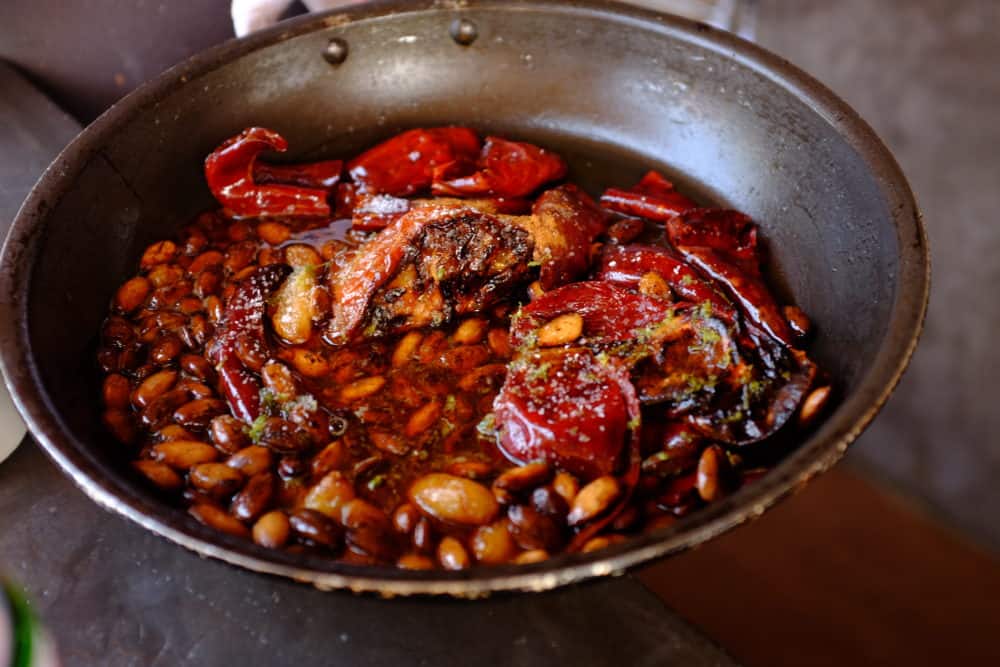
[924, 73]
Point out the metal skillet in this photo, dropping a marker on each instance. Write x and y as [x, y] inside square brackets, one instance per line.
[615, 89]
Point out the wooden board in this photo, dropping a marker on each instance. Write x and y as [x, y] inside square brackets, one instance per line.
[842, 574]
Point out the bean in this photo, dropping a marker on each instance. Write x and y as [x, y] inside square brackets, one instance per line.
[430, 347]
[212, 516]
[195, 241]
[198, 367]
[454, 499]
[130, 358]
[470, 469]
[279, 379]
[117, 331]
[405, 518]
[625, 231]
[153, 387]
[301, 254]
[358, 513]
[412, 561]
[813, 405]
[524, 477]
[483, 379]
[284, 437]
[546, 500]
[311, 525]
[797, 320]
[601, 542]
[165, 349]
[535, 291]
[452, 555]
[292, 466]
[190, 305]
[532, 529]
[272, 530]
[197, 390]
[199, 329]
[653, 284]
[216, 479]
[593, 500]
[362, 388]
[183, 454]
[713, 474]
[332, 457]
[207, 259]
[293, 315]
[471, 331]
[423, 536]
[374, 539]
[115, 392]
[566, 486]
[254, 498]
[464, 359]
[561, 330]
[405, 349]
[163, 275]
[197, 414]
[271, 255]
[215, 309]
[108, 360]
[159, 474]
[251, 460]
[162, 252]
[174, 432]
[239, 257]
[228, 434]
[330, 495]
[499, 342]
[532, 556]
[208, 283]
[132, 294]
[388, 442]
[169, 296]
[309, 364]
[161, 409]
[422, 419]
[493, 544]
[274, 233]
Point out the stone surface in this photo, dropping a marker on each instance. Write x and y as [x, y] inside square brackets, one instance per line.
[926, 76]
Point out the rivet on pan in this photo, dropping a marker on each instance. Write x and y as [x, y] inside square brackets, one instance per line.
[336, 51]
[463, 31]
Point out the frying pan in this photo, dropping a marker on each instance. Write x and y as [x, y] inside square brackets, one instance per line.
[617, 90]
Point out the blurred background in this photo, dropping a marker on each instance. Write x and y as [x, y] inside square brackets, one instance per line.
[916, 511]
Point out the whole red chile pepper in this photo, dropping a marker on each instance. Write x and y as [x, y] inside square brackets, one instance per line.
[730, 233]
[748, 290]
[231, 171]
[626, 265]
[243, 323]
[653, 198]
[505, 169]
[407, 163]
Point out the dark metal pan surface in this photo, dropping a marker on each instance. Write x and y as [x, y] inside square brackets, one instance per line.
[615, 89]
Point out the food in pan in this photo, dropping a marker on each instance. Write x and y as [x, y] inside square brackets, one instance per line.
[441, 353]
